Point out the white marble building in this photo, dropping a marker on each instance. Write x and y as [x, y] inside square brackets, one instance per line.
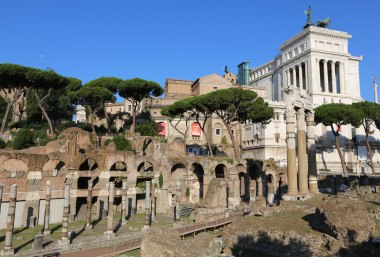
[317, 62]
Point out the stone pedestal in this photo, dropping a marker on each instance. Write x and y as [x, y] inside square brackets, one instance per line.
[313, 185]
[38, 242]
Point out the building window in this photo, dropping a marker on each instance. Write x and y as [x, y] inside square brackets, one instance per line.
[119, 109]
[233, 131]
[277, 138]
[217, 131]
[129, 108]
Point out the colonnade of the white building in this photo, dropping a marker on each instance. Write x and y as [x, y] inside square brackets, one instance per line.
[330, 76]
[297, 76]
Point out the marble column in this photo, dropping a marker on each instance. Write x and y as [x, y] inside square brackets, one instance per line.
[153, 212]
[326, 78]
[242, 186]
[8, 247]
[300, 76]
[312, 159]
[294, 77]
[288, 77]
[291, 151]
[65, 219]
[333, 77]
[47, 209]
[147, 204]
[318, 77]
[124, 202]
[302, 157]
[109, 233]
[89, 204]
[342, 78]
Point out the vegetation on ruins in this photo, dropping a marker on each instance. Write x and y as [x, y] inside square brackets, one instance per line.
[136, 90]
[161, 180]
[46, 83]
[232, 105]
[122, 144]
[336, 115]
[147, 128]
[370, 119]
[93, 98]
[25, 138]
[201, 111]
[177, 112]
[111, 84]
[236, 105]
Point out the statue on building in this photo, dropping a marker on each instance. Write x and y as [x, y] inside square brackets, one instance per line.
[323, 23]
[309, 21]
[226, 70]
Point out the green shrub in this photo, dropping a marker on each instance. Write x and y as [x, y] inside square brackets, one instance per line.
[224, 140]
[187, 192]
[148, 128]
[24, 138]
[107, 142]
[161, 180]
[141, 184]
[2, 143]
[122, 144]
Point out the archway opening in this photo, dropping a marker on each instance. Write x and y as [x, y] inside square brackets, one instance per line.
[220, 171]
[199, 172]
[119, 166]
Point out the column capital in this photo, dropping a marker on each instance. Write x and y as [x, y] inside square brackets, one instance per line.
[310, 118]
[290, 114]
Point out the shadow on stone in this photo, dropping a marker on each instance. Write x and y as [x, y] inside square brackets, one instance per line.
[76, 234]
[24, 244]
[117, 227]
[56, 228]
[364, 249]
[264, 245]
[95, 222]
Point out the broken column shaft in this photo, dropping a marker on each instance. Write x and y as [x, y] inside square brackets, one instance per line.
[302, 157]
[109, 233]
[65, 219]
[47, 208]
[8, 248]
[147, 204]
[124, 202]
[89, 205]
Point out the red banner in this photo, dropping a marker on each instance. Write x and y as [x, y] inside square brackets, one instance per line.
[161, 128]
[196, 129]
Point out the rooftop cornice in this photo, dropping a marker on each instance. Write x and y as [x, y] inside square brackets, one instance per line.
[317, 31]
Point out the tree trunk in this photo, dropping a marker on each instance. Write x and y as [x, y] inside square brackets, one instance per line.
[107, 119]
[206, 137]
[133, 126]
[337, 145]
[236, 149]
[10, 103]
[369, 152]
[39, 102]
[92, 116]
[5, 118]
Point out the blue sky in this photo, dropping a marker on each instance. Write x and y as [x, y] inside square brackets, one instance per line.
[163, 39]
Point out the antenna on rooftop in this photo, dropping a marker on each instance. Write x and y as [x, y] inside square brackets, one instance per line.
[374, 88]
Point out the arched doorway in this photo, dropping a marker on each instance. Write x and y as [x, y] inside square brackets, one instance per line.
[199, 173]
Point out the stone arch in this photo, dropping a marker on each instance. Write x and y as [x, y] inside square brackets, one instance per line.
[221, 171]
[145, 167]
[198, 171]
[14, 165]
[88, 164]
[178, 140]
[53, 165]
[179, 172]
[119, 166]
